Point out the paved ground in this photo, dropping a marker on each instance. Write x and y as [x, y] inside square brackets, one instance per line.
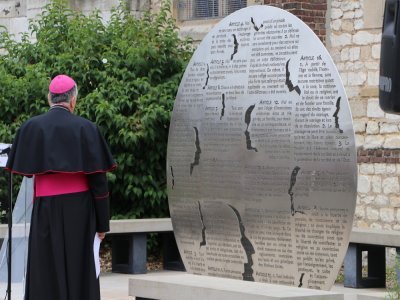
[115, 287]
[359, 294]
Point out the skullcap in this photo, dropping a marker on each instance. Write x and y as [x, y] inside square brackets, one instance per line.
[61, 84]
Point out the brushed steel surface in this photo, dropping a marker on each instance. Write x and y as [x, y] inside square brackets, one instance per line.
[261, 160]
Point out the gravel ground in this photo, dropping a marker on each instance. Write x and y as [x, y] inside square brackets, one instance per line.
[153, 263]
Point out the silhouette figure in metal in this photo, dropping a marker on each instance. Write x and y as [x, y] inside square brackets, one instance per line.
[197, 153]
[208, 77]
[173, 178]
[301, 280]
[223, 106]
[336, 115]
[203, 228]
[290, 191]
[247, 246]
[288, 82]
[235, 46]
[256, 28]
[247, 120]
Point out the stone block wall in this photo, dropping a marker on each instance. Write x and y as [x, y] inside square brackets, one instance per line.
[353, 40]
[355, 48]
[137, 7]
[15, 14]
[378, 203]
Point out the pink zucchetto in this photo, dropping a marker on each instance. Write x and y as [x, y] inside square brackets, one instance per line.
[61, 84]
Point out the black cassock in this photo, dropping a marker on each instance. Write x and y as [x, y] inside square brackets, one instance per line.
[60, 258]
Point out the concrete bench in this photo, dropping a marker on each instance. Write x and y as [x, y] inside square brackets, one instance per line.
[374, 243]
[371, 241]
[129, 244]
[3, 232]
[129, 250]
[183, 286]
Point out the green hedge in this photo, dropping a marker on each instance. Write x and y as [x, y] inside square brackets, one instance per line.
[127, 70]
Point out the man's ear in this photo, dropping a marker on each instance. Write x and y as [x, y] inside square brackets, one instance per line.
[48, 99]
[72, 103]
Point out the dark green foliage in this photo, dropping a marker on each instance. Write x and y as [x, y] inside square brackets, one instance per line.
[127, 72]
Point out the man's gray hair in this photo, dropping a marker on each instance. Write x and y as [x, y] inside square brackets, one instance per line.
[64, 97]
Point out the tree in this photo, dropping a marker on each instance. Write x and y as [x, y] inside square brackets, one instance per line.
[127, 70]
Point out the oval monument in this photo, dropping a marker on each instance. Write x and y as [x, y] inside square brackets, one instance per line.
[261, 155]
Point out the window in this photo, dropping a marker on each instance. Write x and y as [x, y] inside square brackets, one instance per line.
[204, 9]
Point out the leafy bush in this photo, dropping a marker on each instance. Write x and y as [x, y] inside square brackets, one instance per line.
[127, 72]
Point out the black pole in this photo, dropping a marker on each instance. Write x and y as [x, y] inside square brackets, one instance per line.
[9, 233]
[9, 217]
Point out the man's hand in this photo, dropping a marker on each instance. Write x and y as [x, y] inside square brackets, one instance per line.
[101, 235]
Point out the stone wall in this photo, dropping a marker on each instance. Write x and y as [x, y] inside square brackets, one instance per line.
[354, 42]
[15, 14]
[378, 200]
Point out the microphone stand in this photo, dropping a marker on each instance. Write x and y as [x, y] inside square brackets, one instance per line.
[9, 233]
[9, 218]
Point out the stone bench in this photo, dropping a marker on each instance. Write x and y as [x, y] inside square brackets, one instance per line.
[3, 232]
[129, 244]
[183, 286]
[129, 250]
[373, 242]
